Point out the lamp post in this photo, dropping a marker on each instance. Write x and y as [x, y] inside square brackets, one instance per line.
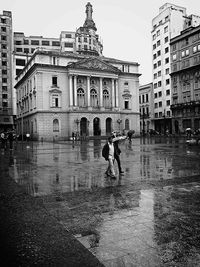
[119, 121]
[22, 121]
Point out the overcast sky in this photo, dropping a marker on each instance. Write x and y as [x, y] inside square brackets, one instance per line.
[123, 25]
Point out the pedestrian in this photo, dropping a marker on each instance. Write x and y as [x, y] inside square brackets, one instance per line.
[130, 134]
[3, 140]
[108, 154]
[117, 152]
[10, 139]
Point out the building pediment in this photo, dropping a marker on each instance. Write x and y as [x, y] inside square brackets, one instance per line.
[94, 64]
[55, 91]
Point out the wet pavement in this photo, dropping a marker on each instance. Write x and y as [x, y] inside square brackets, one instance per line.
[150, 216]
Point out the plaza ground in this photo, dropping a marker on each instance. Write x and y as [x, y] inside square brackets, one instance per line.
[59, 207]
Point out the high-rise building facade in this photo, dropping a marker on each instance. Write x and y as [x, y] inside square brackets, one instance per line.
[185, 77]
[167, 24]
[6, 93]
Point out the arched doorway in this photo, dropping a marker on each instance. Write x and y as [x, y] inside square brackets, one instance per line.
[83, 127]
[108, 126]
[96, 127]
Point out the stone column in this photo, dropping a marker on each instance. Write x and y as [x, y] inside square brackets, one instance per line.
[117, 93]
[88, 91]
[75, 91]
[113, 94]
[101, 92]
[70, 91]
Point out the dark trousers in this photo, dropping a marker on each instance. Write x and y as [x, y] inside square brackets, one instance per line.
[118, 162]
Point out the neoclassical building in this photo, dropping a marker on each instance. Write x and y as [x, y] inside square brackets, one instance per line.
[59, 93]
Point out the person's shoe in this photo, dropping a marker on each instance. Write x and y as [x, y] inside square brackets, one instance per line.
[121, 172]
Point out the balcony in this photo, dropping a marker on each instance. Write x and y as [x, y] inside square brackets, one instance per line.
[184, 105]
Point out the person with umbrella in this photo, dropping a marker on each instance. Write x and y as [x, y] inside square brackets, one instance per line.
[130, 135]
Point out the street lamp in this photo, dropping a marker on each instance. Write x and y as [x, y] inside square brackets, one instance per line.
[22, 121]
[119, 121]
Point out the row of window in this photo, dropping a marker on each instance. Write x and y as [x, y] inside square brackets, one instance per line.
[37, 42]
[143, 98]
[158, 32]
[167, 82]
[158, 64]
[159, 52]
[160, 114]
[159, 94]
[160, 22]
[158, 43]
[159, 104]
[156, 75]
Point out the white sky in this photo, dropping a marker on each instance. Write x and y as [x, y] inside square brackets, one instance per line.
[123, 25]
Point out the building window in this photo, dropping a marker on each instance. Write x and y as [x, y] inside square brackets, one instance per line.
[156, 105]
[159, 73]
[159, 84]
[147, 97]
[168, 102]
[26, 42]
[155, 76]
[174, 47]
[54, 81]
[126, 104]
[18, 49]
[158, 53]
[159, 94]
[154, 56]
[106, 100]
[26, 50]
[167, 71]
[167, 81]
[174, 56]
[35, 42]
[67, 35]
[167, 92]
[154, 46]
[55, 43]
[158, 43]
[187, 52]
[166, 50]
[55, 100]
[55, 125]
[155, 95]
[166, 29]
[166, 60]
[154, 37]
[93, 98]
[45, 42]
[158, 33]
[166, 39]
[80, 97]
[69, 45]
[154, 65]
[159, 63]
[20, 62]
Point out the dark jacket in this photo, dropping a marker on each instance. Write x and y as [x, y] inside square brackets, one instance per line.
[105, 151]
[117, 150]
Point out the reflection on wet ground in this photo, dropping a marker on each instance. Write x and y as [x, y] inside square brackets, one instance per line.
[148, 217]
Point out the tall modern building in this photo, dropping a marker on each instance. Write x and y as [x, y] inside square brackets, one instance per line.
[185, 77]
[6, 88]
[75, 89]
[166, 25]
